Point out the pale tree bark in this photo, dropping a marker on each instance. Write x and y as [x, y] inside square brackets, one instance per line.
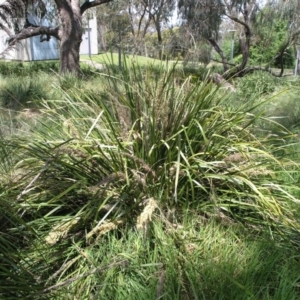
[68, 31]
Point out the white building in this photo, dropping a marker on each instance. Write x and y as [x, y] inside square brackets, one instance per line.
[89, 44]
[32, 49]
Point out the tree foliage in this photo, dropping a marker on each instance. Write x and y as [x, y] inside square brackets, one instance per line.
[245, 18]
[203, 17]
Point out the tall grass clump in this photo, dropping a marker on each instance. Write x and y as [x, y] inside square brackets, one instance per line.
[23, 92]
[16, 279]
[147, 145]
[12, 68]
[19, 69]
[19, 280]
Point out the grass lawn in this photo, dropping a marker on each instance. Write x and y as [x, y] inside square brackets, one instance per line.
[113, 58]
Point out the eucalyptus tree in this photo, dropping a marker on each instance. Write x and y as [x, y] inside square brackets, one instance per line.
[140, 21]
[66, 15]
[205, 17]
[134, 17]
[289, 11]
[159, 12]
[113, 25]
[121, 19]
[141, 17]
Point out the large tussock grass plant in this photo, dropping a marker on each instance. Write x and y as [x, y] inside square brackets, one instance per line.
[103, 163]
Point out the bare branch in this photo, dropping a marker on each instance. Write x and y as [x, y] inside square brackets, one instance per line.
[218, 49]
[238, 21]
[31, 31]
[86, 5]
[253, 69]
[93, 271]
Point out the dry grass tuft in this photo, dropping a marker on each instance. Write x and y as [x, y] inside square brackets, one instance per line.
[111, 178]
[103, 228]
[145, 217]
[234, 158]
[30, 114]
[143, 165]
[60, 231]
[251, 165]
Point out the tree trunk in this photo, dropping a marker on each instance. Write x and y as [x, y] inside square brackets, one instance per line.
[159, 36]
[244, 40]
[160, 43]
[220, 52]
[70, 34]
[297, 62]
[69, 54]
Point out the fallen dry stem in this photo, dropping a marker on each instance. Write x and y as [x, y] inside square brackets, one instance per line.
[124, 262]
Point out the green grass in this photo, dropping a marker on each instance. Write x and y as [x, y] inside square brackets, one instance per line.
[113, 58]
[183, 71]
[144, 185]
[196, 259]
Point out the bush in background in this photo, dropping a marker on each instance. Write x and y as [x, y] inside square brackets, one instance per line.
[19, 93]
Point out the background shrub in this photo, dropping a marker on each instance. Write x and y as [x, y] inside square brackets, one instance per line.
[23, 92]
